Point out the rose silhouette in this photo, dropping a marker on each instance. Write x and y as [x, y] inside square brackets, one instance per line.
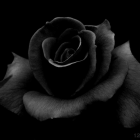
[70, 66]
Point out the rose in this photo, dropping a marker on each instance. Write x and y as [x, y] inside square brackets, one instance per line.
[64, 46]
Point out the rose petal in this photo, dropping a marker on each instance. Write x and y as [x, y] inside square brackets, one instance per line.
[13, 86]
[129, 111]
[66, 36]
[45, 72]
[116, 74]
[88, 41]
[47, 45]
[60, 24]
[74, 43]
[83, 47]
[105, 45]
[129, 100]
[36, 57]
[79, 55]
[67, 54]
[44, 107]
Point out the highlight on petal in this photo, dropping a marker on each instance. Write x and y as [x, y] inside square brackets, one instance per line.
[62, 66]
[13, 86]
[44, 107]
[46, 45]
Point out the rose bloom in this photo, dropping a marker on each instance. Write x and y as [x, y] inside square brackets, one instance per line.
[73, 68]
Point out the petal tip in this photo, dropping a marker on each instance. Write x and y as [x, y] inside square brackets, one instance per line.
[106, 23]
[105, 28]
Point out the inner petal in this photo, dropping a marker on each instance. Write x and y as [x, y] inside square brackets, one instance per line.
[66, 54]
[67, 48]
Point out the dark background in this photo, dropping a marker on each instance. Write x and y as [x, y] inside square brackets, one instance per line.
[19, 21]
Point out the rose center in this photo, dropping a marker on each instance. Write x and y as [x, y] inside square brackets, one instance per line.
[68, 52]
[67, 49]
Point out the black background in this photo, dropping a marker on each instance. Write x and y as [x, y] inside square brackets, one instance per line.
[19, 21]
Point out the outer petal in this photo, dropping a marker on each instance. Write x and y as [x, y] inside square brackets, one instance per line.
[88, 40]
[14, 85]
[44, 107]
[60, 24]
[105, 45]
[35, 53]
[129, 100]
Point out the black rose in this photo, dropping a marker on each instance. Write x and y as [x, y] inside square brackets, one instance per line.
[70, 66]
